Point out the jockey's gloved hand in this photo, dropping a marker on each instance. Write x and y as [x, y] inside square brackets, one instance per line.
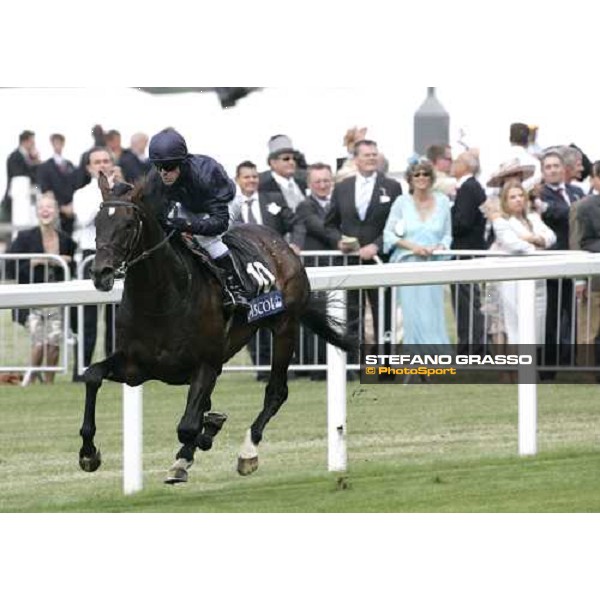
[179, 224]
[191, 224]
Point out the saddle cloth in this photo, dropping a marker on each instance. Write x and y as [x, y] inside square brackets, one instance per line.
[256, 277]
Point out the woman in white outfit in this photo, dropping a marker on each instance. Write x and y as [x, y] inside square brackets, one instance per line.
[520, 231]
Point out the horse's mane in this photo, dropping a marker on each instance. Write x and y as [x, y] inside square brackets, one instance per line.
[149, 195]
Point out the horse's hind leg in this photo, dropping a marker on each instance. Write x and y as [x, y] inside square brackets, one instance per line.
[191, 424]
[284, 341]
[89, 456]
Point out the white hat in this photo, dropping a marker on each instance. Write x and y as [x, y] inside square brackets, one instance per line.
[510, 169]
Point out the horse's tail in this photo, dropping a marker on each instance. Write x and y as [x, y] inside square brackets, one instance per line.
[319, 321]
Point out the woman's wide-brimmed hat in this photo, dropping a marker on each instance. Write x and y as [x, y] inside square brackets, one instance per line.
[510, 169]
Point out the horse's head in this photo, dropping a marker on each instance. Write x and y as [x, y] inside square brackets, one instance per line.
[118, 231]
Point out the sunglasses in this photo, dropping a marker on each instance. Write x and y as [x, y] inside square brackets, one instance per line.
[287, 158]
[167, 166]
[421, 174]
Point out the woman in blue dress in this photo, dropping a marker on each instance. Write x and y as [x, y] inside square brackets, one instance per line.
[420, 223]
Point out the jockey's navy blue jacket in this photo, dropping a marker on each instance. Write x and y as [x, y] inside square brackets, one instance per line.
[203, 187]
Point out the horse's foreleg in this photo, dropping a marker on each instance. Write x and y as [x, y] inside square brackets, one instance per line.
[89, 456]
[275, 395]
[190, 427]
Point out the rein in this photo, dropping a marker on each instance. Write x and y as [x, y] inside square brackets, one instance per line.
[146, 253]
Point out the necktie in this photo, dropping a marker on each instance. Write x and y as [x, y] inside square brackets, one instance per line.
[364, 199]
[251, 217]
[561, 191]
[291, 196]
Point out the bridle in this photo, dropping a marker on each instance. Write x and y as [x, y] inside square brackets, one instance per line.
[130, 262]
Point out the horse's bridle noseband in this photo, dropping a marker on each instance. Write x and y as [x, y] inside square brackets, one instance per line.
[127, 264]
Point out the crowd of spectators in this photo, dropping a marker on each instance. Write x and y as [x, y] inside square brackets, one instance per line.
[72, 195]
[438, 205]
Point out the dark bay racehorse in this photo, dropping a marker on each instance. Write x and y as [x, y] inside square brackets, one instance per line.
[171, 325]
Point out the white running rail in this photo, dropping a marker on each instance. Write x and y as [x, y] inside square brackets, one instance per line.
[521, 268]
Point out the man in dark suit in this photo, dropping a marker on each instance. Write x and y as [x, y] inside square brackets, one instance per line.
[468, 233]
[283, 177]
[314, 236]
[23, 162]
[82, 177]
[113, 143]
[259, 208]
[360, 206]
[556, 199]
[56, 175]
[311, 213]
[573, 160]
[133, 161]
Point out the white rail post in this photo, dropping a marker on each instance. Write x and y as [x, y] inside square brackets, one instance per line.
[133, 477]
[527, 391]
[337, 459]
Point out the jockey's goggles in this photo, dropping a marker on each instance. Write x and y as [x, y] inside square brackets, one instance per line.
[167, 166]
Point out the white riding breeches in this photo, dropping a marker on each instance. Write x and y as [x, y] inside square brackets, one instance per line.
[213, 245]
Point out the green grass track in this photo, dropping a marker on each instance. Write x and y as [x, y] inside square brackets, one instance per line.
[411, 449]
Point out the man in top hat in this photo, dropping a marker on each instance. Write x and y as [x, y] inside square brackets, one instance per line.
[283, 177]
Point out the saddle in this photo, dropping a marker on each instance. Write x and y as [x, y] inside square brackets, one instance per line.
[259, 283]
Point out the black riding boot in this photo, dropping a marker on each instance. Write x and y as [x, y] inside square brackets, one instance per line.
[233, 290]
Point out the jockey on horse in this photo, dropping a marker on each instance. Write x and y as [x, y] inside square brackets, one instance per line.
[198, 191]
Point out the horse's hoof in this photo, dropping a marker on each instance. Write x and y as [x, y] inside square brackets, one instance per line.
[178, 473]
[177, 476]
[204, 442]
[213, 422]
[90, 464]
[247, 466]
